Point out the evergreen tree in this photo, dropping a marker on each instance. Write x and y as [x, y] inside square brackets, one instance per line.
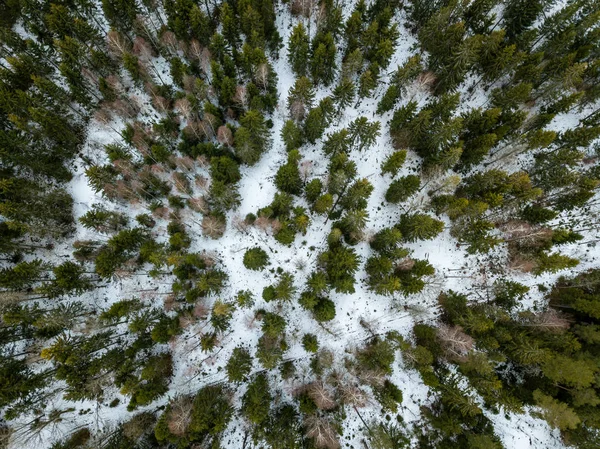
[256, 402]
[298, 50]
[363, 133]
[343, 94]
[292, 135]
[239, 365]
[402, 189]
[287, 178]
[393, 163]
[322, 61]
[419, 226]
[251, 138]
[315, 125]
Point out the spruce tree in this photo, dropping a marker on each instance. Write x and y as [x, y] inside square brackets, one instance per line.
[256, 402]
[322, 61]
[239, 365]
[298, 50]
[402, 189]
[419, 226]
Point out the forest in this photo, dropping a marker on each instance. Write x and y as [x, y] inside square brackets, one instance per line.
[300, 224]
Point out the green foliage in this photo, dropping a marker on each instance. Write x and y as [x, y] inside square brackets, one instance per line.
[554, 263]
[225, 170]
[340, 263]
[393, 163]
[298, 50]
[557, 414]
[324, 310]
[322, 62]
[255, 258]
[251, 138]
[102, 220]
[239, 365]
[419, 226]
[377, 355]
[402, 189]
[292, 135]
[273, 325]
[310, 343]
[287, 178]
[256, 402]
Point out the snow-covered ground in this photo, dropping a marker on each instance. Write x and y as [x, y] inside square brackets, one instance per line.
[455, 269]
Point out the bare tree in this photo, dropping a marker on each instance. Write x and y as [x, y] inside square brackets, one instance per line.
[352, 394]
[142, 49]
[195, 129]
[297, 110]
[522, 263]
[241, 97]
[169, 42]
[213, 227]
[322, 431]
[225, 136]
[185, 163]
[322, 395]
[184, 107]
[426, 81]
[180, 415]
[262, 75]
[302, 7]
[195, 50]
[454, 341]
[117, 44]
[551, 320]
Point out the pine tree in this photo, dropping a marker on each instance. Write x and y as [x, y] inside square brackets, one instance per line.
[68, 278]
[363, 133]
[419, 226]
[520, 15]
[273, 325]
[337, 142]
[120, 13]
[356, 195]
[239, 365]
[315, 125]
[255, 258]
[300, 98]
[287, 178]
[340, 264]
[22, 275]
[310, 343]
[402, 189]
[343, 94]
[393, 163]
[298, 50]
[252, 137]
[554, 262]
[291, 135]
[256, 402]
[322, 62]
[558, 414]
[368, 81]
